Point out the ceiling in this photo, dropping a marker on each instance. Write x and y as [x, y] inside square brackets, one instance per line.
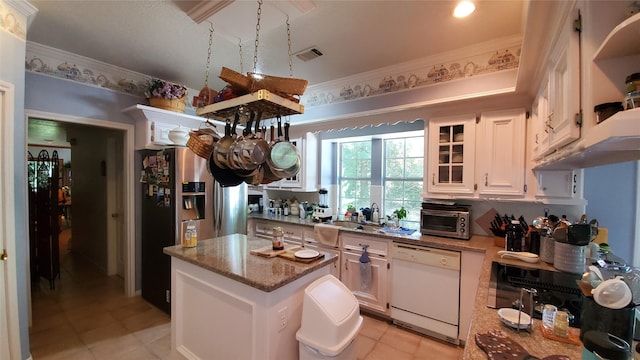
[168, 39]
[162, 39]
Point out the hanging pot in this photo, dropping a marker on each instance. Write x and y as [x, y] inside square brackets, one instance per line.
[225, 177]
[284, 159]
[257, 177]
[236, 158]
[252, 151]
[269, 176]
[221, 149]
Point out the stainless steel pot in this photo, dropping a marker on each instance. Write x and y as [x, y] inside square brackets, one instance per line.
[284, 159]
[221, 149]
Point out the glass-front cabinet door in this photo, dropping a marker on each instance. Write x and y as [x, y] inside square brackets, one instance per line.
[451, 155]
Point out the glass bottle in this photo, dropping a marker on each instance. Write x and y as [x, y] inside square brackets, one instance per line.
[277, 240]
[191, 235]
[548, 316]
[561, 324]
[514, 236]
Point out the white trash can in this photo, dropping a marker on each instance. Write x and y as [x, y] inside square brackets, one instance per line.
[330, 321]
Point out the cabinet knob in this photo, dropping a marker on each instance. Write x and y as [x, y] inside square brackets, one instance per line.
[433, 179]
[4, 255]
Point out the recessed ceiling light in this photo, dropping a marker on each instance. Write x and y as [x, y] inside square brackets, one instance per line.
[464, 8]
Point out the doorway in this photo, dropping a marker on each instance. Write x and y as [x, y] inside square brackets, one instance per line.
[111, 164]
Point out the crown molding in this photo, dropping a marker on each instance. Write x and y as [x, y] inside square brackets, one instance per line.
[14, 16]
[479, 59]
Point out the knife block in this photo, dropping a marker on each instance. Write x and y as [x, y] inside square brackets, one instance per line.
[499, 241]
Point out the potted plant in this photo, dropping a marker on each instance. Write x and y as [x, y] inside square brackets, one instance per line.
[399, 214]
[166, 95]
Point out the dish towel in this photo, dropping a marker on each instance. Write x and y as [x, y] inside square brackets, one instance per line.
[366, 276]
[326, 234]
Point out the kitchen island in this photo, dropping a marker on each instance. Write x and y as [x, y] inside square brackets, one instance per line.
[227, 303]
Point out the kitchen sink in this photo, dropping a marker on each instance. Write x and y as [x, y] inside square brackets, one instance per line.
[358, 226]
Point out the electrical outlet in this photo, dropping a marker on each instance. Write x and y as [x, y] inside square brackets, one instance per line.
[282, 319]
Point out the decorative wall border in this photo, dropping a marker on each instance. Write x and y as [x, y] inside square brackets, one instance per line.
[504, 54]
[12, 21]
[65, 65]
[420, 73]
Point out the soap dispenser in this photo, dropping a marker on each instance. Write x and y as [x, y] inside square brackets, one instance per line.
[375, 217]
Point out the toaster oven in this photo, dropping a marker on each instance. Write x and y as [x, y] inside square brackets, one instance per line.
[445, 220]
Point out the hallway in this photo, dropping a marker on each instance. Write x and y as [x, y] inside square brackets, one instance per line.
[88, 317]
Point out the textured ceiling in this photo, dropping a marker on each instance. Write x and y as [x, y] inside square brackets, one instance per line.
[158, 38]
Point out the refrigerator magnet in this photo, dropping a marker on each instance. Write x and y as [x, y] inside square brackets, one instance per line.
[167, 200]
[152, 161]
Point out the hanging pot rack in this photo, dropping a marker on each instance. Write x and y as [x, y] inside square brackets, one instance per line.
[264, 100]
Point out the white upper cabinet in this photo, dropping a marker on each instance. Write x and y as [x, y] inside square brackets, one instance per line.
[450, 150]
[539, 124]
[500, 154]
[562, 121]
[306, 179]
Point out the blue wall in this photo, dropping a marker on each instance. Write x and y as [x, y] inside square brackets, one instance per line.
[611, 192]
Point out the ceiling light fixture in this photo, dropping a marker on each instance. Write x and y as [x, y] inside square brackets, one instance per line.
[464, 9]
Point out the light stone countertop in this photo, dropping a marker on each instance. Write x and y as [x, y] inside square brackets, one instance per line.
[476, 243]
[230, 256]
[484, 318]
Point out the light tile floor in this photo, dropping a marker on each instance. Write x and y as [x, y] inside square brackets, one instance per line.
[87, 316]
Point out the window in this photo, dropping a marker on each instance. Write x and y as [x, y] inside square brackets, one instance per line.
[403, 174]
[386, 171]
[355, 175]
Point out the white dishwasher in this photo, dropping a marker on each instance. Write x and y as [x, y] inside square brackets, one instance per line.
[425, 295]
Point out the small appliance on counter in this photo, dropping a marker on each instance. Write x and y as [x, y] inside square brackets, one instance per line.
[445, 219]
[322, 212]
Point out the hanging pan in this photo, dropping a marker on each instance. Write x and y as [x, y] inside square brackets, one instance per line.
[269, 176]
[225, 177]
[221, 149]
[284, 159]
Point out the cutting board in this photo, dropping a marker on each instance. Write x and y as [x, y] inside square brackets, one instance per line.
[268, 251]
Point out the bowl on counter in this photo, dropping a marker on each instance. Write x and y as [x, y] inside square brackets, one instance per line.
[510, 318]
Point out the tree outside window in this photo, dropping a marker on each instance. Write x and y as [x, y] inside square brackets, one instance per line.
[403, 176]
[355, 175]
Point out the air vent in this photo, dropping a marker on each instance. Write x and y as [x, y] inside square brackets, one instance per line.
[309, 54]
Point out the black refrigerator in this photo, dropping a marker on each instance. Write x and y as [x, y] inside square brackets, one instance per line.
[177, 188]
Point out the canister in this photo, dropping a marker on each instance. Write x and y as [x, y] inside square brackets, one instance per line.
[277, 240]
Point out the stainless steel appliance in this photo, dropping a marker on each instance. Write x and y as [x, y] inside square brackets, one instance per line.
[553, 287]
[429, 301]
[177, 189]
[445, 220]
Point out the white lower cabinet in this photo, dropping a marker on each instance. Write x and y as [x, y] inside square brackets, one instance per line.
[371, 293]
